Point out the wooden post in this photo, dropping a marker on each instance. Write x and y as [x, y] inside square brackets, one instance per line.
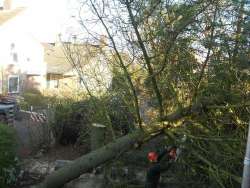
[97, 136]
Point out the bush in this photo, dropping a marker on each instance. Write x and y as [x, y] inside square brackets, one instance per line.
[121, 117]
[70, 120]
[33, 99]
[8, 159]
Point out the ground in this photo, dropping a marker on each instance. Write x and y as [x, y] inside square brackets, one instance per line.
[38, 161]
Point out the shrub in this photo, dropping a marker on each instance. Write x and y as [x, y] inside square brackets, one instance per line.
[70, 119]
[8, 159]
[121, 117]
[33, 99]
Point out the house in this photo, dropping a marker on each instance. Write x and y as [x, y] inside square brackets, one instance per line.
[21, 57]
[27, 63]
[73, 67]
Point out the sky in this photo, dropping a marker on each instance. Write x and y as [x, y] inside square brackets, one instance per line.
[45, 19]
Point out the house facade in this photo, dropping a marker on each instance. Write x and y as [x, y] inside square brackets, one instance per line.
[21, 57]
[28, 64]
[77, 68]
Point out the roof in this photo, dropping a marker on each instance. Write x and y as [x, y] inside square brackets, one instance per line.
[59, 63]
[55, 59]
[6, 15]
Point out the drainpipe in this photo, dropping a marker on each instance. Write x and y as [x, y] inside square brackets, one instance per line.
[246, 170]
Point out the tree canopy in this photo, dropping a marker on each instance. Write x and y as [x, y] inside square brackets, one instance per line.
[183, 68]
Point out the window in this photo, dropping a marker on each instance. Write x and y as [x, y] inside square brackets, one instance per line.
[15, 57]
[13, 84]
[52, 81]
[52, 84]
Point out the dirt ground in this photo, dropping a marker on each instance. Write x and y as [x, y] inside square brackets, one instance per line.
[35, 167]
[35, 159]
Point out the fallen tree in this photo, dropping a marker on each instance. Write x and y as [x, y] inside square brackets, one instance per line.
[91, 160]
[108, 152]
[125, 143]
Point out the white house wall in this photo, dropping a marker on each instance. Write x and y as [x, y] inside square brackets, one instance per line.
[29, 52]
[29, 62]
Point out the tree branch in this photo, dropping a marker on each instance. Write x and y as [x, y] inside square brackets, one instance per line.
[146, 58]
[122, 65]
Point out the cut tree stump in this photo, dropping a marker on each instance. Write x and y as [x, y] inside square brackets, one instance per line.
[97, 136]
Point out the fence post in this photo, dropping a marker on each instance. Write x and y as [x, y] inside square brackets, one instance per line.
[246, 170]
[50, 118]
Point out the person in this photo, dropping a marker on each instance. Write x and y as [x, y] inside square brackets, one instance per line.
[156, 166]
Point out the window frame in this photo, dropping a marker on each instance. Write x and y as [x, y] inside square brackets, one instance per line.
[13, 76]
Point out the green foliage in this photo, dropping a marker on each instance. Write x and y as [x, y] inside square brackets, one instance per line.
[120, 115]
[197, 51]
[8, 159]
[31, 98]
[216, 136]
[71, 118]
[210, 155]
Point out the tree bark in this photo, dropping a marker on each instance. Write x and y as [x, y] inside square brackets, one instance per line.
[87, 162]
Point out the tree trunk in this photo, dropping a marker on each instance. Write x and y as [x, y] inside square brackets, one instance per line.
[87, 162]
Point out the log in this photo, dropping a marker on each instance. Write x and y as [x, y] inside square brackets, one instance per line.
[87, 162]
[61, 163]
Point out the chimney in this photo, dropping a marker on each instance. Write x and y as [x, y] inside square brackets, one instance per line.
[103, 41]
[7, 4]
